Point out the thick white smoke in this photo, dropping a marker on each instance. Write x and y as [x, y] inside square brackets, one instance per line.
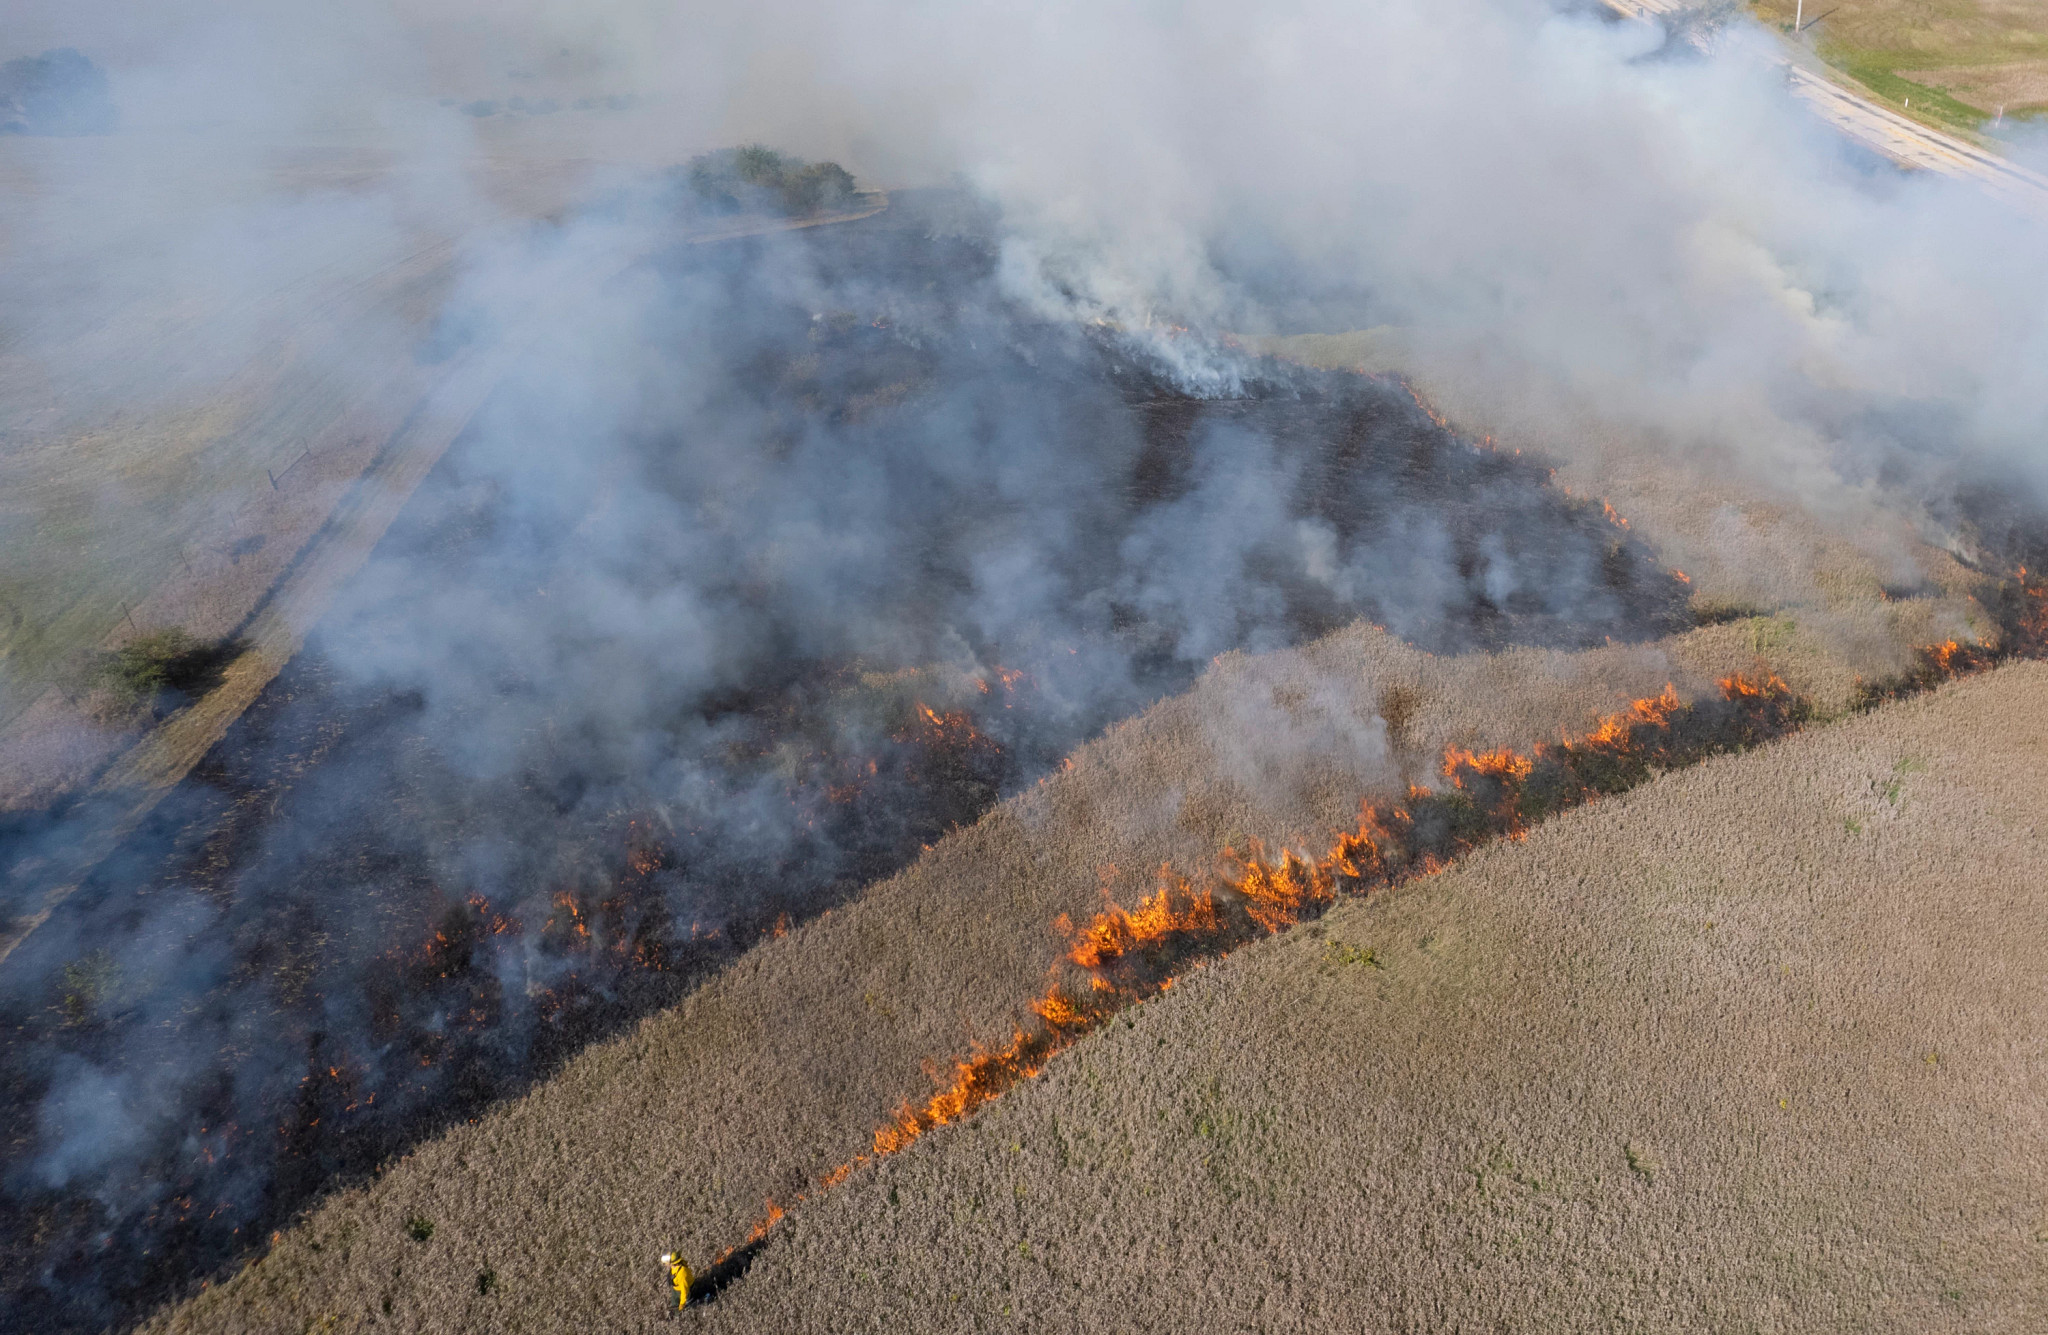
[1672, 243]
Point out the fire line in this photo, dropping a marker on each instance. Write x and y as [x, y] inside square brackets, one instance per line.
[1128, 956]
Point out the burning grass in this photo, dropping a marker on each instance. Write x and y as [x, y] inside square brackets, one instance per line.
[597, 937]
[1127, 956]
[489, 988]
[1124, 956]
[772, 1074]
[810, 782]
[1702, 1023]
[2021, 611]
[852, 788]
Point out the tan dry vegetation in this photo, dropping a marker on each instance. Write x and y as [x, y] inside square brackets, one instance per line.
[1756, 1047]
[1976, 30]
[239, 513]
[778, 1071]
[1957, 62]
[156, 474]
[134, 448]
[2016, 86]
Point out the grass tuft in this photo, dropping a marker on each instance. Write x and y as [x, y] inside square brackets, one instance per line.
[1642, 1163]
[88, 982]
[1341, 953]
[148, 669]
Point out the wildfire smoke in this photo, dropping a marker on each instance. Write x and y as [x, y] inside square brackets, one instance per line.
[2021, 608]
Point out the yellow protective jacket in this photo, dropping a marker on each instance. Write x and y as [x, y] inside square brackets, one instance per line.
[679, 1275]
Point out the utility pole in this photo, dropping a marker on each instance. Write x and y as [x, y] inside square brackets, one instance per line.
[1798, 13]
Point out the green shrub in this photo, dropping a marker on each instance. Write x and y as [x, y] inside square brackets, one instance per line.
[815, 186]
[88, 982]
[754, 178]
[1340, 952]
[151, 665]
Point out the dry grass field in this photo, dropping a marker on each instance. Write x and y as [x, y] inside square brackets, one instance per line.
[548, 1212]
[1959, 61]
[1756, 1047]
[136, 434]
[175, 429]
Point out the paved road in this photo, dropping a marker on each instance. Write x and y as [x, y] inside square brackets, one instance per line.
[1911, 144]
[1899, 138]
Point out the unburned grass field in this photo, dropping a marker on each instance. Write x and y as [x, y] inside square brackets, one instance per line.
[1958, 62]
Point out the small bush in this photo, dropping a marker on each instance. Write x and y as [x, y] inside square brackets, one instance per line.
[815, 186]
[1719, 611]
[88, 982]
[1341, 953]
[757, 179]
[60, 92]
[486, 1281]
[419, 1228]
[1641, 1162]
[152, 666]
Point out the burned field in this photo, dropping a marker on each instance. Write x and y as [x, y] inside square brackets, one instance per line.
[866, 549]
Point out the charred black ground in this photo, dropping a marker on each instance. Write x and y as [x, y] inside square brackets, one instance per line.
[929, 541]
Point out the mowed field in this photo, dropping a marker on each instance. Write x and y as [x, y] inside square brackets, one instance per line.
[1958, 62]
[1263, 1154]
[200, 353]
[143, 426]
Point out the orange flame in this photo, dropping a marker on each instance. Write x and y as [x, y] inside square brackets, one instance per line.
[773, 1218]
[1133, 954]
[1502, 764]
[2022, 612]
[1654, 712]
[566, 903]
[1739, 687]
[1114, 933]
[1428, 409]
[1277, 895]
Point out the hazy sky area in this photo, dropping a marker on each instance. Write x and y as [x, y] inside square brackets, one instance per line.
[1674, 239]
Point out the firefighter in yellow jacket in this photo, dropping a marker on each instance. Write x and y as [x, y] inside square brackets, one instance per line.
[679, 1276]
